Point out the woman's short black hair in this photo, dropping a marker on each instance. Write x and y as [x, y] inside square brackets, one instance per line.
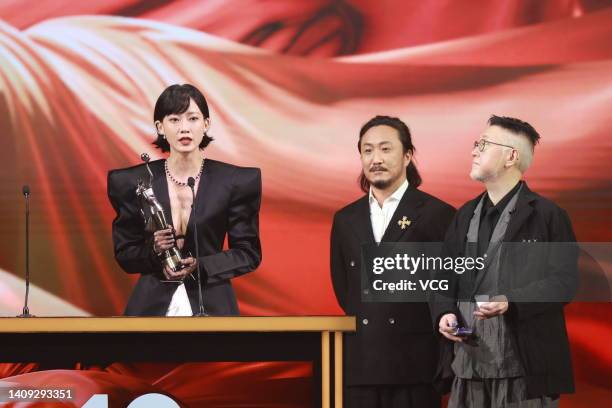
[175, 100]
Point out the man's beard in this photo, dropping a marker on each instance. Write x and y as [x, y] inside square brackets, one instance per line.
[484, 177]
[477, 177]
[382, 184]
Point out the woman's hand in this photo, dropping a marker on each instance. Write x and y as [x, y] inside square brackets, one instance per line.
[190, 266]
[163, 240]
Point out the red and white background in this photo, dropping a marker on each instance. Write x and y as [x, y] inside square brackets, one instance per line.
[289, 84]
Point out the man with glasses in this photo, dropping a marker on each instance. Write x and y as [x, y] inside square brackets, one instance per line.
[517, 354]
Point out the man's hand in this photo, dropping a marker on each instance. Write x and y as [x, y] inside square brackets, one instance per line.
[491, 309]
[447, 326]
[190, 264]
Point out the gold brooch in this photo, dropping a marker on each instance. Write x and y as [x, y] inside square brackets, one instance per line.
[404, 222]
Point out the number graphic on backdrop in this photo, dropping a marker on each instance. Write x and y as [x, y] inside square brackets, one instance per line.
[97, 401]
[152, 400]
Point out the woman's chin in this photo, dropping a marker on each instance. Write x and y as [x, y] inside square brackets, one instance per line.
[182, 149]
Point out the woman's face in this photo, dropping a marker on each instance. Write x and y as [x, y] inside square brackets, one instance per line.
[184, 131]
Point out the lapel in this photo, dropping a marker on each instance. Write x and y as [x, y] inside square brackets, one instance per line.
[491, 254]
[522, 211]
[519, 215]
[361, 222]
[464, 222]
[160, 188]
[463, 225]
[408, 207]
[204, 185]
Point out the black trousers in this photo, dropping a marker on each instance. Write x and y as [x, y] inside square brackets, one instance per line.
[392, 396]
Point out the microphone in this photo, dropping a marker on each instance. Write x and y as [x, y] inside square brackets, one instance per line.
[26, 193]
[191, 184]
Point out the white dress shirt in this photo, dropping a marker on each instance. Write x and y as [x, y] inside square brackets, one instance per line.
[381, 217]
[179, 305]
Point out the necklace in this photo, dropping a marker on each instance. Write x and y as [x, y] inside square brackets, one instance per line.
[182, 183]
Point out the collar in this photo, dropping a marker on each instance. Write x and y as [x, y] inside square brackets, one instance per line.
[396, 196]
[501, 204]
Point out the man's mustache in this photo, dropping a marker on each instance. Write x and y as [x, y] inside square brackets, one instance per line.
[378, 168]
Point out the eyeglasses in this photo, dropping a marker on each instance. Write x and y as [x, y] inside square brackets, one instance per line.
[481, 144]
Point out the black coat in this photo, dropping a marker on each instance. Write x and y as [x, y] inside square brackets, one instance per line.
[227, 203]
[538, 327]
[397, 344]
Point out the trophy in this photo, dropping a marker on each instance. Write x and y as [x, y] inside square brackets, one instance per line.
[155, 218]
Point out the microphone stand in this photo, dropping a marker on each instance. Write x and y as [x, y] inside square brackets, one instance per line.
[26, 193]
[191, 184]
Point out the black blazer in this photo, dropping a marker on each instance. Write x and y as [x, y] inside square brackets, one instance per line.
[227, 203]
[539, 328]
[394, 342]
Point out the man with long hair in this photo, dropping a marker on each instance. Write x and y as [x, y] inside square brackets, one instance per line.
[391, 359]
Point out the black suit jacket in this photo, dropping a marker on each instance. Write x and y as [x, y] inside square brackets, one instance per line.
[227, 203]
[539, 328]
[394, 342]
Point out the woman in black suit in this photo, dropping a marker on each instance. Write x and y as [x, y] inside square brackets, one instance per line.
[227, 199]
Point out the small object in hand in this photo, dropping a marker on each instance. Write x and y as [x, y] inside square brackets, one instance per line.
[463, 332]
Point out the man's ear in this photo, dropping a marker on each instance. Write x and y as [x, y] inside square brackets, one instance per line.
[513, 158]
[408, 156]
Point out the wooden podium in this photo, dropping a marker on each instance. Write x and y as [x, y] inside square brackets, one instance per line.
[95, 339]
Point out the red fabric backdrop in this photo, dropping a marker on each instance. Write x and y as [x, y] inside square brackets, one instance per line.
[289, 84]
